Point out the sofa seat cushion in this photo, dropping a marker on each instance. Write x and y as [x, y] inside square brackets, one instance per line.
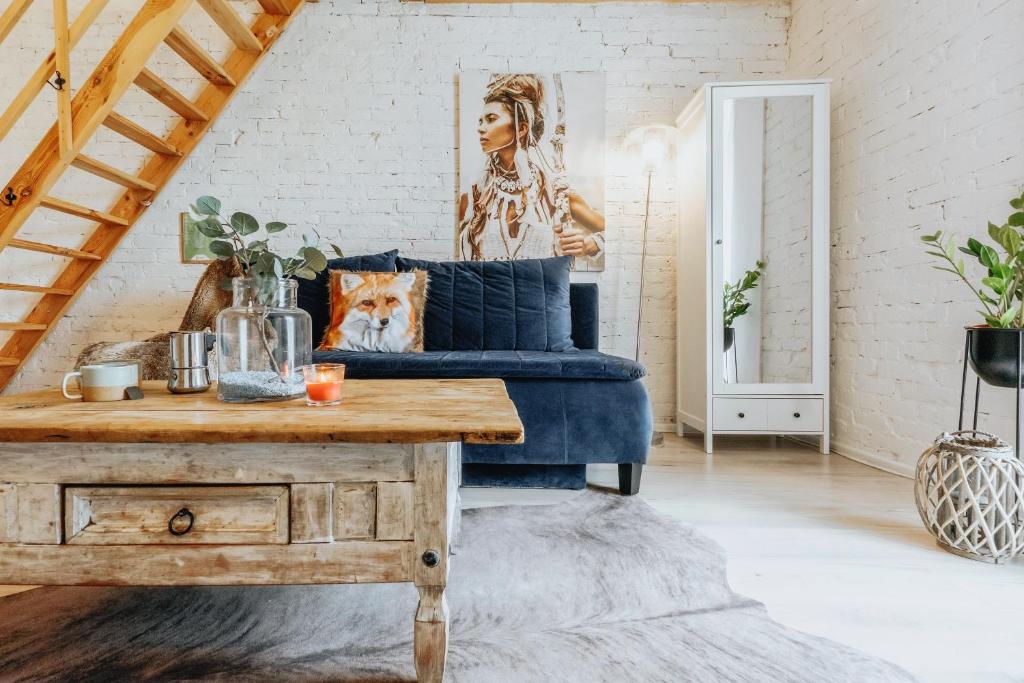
[477, 364]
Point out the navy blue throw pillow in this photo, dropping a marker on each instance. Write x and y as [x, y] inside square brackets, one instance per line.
[496, 305]
[314, 297]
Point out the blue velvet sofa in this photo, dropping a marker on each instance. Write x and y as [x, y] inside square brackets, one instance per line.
[577, 405]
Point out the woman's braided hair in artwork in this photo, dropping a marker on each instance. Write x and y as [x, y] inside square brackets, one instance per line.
[523, 95]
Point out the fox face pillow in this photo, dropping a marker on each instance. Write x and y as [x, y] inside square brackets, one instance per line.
[376, 311]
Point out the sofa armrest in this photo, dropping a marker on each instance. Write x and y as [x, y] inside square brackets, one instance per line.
[586, 315]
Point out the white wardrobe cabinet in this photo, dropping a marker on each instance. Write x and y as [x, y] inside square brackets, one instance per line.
[753, 282]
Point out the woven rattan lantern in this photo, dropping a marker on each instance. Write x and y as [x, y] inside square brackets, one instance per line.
[970, 493]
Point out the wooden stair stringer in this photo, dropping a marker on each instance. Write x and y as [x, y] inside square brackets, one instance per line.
[160, 168]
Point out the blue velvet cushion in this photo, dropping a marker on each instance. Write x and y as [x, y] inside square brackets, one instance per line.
[476, 364]
[314, 297]
[496, 305]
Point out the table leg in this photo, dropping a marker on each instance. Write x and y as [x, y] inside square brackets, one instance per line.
[436, 507]
[430, 636]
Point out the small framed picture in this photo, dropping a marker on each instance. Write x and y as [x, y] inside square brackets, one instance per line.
[195, 246]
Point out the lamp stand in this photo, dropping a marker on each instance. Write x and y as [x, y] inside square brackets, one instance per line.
[656, 439]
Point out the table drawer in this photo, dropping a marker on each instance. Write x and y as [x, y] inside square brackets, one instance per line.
[795, 414]
[739, 414]
[107, 515]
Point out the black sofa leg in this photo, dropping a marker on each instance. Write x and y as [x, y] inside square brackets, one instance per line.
[629, 478]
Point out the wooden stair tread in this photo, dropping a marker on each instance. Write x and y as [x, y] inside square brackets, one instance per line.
[229, 21]
[114, 175]
[22, 327]
[81, 211]
[140, 135]
[169, 97]
[35, 289]
[4, 360]
[53, 249]
[198, 58]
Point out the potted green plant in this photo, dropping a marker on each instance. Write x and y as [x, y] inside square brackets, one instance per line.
[734, 302]
[263, 339]
[995, 345]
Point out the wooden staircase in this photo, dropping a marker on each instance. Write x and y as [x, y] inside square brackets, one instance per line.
[82, 110]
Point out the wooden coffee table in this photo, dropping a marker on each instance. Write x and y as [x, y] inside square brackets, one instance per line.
[184, 490]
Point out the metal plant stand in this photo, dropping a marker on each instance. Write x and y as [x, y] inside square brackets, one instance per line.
[977, 389]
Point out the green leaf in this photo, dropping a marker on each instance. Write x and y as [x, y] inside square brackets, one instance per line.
[996, 284]
[278, 268]
[276, 226]
[988, 256]
[210, 227]
[1006, 319]
[973, 246]
[305, 274]
[244, 223]
[1017, 202]
[315, 260]
[221, 249]
[1016, 219]
[208, 206]
[930, 238]
[338, 251]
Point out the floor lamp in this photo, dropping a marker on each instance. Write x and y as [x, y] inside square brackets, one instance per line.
[654, 147]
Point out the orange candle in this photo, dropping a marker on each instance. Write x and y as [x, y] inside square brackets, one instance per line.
[324, 391]
[323, 383]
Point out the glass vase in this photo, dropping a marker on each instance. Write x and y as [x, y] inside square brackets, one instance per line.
[263, 341]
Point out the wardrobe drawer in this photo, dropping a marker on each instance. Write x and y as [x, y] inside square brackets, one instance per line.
[795, 414]
[138, 515]
[739, 414]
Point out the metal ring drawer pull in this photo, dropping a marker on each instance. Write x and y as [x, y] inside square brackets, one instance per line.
[796, 414]
[741, 415]
[176, 526]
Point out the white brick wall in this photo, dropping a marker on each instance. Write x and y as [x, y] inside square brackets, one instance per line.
[786, 220]
[348, 127]
[927, 133]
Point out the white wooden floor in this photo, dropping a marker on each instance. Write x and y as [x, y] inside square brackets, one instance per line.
[834, 548]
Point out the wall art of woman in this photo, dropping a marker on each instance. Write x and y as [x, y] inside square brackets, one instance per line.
[522, 205]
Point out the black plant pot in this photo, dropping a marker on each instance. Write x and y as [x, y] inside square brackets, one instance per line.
[994, 355]
[729, 337]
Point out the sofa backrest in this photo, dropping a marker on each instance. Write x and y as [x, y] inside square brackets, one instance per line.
[586, 315]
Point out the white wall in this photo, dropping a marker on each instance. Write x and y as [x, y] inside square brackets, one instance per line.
[786, 285]
[349, 127]
[927, 133]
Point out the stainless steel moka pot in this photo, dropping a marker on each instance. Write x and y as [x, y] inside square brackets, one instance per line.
[190, 368]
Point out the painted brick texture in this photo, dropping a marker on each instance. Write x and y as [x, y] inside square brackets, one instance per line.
[927, 114]
[349, 128]
[786, 219]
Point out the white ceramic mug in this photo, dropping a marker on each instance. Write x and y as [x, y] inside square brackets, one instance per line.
[102, 381]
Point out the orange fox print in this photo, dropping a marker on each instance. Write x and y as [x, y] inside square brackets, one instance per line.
[376, 312]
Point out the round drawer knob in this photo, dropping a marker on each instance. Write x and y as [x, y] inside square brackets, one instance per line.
[741, 415]
[431, 558]
[796, 414]
[181, 523]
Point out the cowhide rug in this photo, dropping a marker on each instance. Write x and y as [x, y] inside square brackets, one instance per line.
[601, 588]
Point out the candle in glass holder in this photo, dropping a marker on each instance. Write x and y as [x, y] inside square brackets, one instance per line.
[323, 383]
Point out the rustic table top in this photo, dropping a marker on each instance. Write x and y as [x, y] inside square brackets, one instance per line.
[372, 411]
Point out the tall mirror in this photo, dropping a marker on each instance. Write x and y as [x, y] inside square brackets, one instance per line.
[766, 240]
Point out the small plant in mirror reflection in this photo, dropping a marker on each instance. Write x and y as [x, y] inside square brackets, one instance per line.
[1001, 292]
[734, 301]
